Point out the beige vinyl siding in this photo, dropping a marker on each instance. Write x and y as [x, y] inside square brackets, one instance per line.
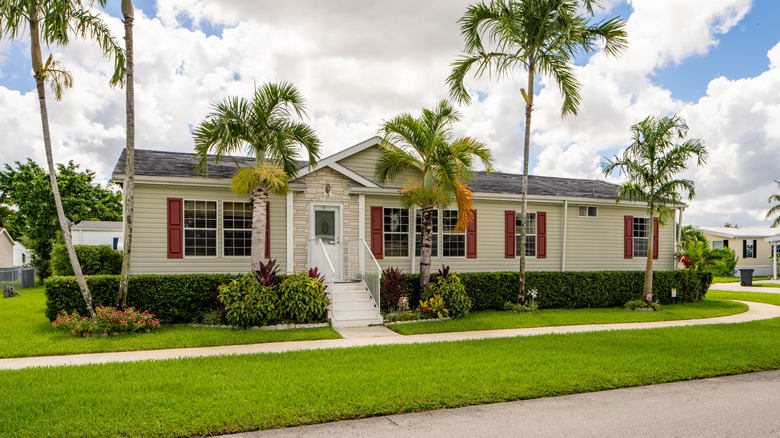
[364, 164]
[596, 244]
[6, 251]
[592, 243]
[764, 250]
[150, 228]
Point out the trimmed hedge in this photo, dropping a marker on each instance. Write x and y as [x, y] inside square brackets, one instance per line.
[94, 260]
[573, 290]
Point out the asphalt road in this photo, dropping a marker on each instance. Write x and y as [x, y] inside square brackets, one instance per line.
[747, 405]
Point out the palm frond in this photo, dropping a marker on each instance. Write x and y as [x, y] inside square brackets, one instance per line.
[266, 175]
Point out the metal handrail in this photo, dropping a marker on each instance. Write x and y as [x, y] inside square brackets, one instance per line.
[375, 296]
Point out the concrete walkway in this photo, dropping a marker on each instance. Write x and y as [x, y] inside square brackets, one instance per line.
[731, 406]
[371, 336]
[755, 288]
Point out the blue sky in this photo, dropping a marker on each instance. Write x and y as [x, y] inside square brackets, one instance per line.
[360, 63]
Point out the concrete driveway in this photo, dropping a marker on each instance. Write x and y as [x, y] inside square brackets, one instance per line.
[735, 406]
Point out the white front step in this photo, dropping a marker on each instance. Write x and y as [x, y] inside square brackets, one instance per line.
[364, 322]
[353, 306]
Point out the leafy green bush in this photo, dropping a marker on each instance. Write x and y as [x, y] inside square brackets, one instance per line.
[573, 290]
[450, 288]
[179, 298]
[726, 262]
[248, 303]
[434, 306]
[641, 304]
[302, 299]
[94, 260]
[520, 308]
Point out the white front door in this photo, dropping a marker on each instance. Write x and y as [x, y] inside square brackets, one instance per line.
[327, 226]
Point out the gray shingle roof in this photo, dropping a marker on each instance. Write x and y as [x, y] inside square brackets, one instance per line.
[178, 164]
[181, 164]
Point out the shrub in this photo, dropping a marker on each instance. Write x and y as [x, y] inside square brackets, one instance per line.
[248, 303]
[302, 299]
[94, 260]
[641, 304]
[434, 306]
[520, 308]
[726, 262]
[316, 274]
[453, 293]
[266, 273]
[392, 287]
[573, 290]
[107, 320]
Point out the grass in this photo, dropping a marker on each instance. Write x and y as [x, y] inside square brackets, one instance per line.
[734, 279]
[25, 331]
[766, 285]
[491, 320]
[215, 395]
[759, 297]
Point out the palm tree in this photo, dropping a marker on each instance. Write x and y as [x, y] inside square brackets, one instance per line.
[538, 36]
[776, 208]
[264, 126]
[425, 143]
[54, 22]
[688, 234]
[650, 163]
[129, 184]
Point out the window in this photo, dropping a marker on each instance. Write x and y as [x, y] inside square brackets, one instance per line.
[749, 249]
[586, 211]
[453, 244]
[237, 228]
[396, 231]
[717, 244]
[200, 228]
[530, 233]
[641, 236]
[418, 233]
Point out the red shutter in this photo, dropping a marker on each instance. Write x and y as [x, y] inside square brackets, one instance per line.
[471, 238]
[268, 229]
[541, 235]
[509, 234]
[175, 228]
[655, 237]
[377, 233]
[628, 237]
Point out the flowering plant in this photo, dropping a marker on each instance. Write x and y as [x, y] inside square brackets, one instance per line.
[107, 320]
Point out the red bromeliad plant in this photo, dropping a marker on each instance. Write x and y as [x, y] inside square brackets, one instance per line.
[392, 286]
[266, 273]
[316, 274]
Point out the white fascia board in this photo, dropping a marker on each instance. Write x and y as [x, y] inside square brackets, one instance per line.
[775, 238]
[353, 175]
[332, 159]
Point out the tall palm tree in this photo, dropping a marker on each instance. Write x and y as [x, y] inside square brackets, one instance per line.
[650, 163]
[537, 36]
[426, 143]
[265, 126]
[775, 208]
[129, 184]
[54, 22]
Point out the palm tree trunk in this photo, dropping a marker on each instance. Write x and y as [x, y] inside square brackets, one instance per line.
[260, 197]
[647, 294]
[129, 185]
[426, 248]
[37, 62]
[526, 153]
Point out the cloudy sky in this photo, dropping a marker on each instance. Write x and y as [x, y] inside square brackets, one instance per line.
[715, 62]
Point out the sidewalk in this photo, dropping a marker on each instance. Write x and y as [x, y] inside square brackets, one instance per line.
[735, 287]
[378, 335]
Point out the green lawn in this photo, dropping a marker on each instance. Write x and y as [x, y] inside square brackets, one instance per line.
[760, 297]
[25, 331]
[766, 285]
[490, 320]
[734, 279]
[215, 395]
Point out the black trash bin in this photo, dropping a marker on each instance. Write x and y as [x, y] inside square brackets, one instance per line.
[746, 277]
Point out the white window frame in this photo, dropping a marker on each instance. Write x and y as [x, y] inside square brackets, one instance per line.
[408, 233]
[634, 237]
[445, 234]
[527, 235]
[436, 241]
[224, 229]
[587, 211]
[717, 244]
[185, 228]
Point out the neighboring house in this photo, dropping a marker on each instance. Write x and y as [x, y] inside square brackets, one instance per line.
[749, 244]
[98, 233]
[774, 241]
[12, 253]
[185, 223]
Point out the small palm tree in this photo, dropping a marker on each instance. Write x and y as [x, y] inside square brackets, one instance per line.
[539, 36]
[264, 126]
[776, 208]
[425, 143]
[129, 183]
[55, 22]
[650, 163]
